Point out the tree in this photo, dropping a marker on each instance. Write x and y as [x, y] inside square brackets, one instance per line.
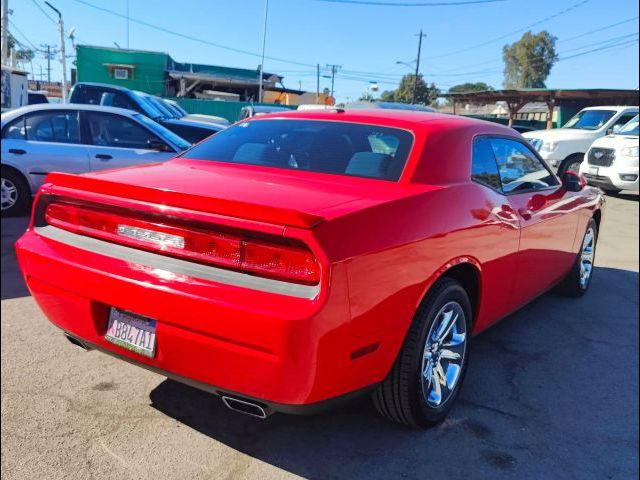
[425, 94]
[528, 62]
[24, 55]
[388, 96]
[470, 87]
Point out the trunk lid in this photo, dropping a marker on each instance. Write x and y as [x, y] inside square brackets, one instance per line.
[271, 195]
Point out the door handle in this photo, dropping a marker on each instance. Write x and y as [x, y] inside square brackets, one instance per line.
[17, 151]
[104, 156]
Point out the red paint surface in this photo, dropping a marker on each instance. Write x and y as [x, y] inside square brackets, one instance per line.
[380, 245]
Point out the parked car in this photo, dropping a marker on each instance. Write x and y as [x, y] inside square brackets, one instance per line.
[249, 111]
[43, 138]
[522, 128]
[115, 96]
[302, 258]
[612, 161]
[564, 148]
[180, 112]
[388, 105]
[35, 97]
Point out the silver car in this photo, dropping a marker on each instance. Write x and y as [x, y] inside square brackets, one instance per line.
[75, 138]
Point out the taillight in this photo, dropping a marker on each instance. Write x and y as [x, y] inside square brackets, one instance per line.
[238, 252]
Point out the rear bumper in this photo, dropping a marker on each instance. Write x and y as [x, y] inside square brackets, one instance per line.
[282, 350]
[291, 409]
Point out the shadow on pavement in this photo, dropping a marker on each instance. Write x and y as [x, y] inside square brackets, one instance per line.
[551, 392]
[12, 284]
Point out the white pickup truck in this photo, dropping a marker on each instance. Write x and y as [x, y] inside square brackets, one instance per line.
[564, 148]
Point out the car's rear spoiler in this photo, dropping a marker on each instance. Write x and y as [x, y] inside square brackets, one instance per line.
[100, 191]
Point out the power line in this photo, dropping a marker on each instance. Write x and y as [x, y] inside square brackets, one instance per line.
[606, 27]
[53, 20]
[412, 4]
[507, 35]
[36, 49]
[189, 37]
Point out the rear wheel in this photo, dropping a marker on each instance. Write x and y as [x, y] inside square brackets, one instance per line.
[15, 194]
[426, 378]
[577, 281]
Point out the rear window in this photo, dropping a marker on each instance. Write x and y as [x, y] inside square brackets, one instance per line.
[338, 148]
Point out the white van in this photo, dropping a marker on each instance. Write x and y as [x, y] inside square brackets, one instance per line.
[564, 148]
[612, 161]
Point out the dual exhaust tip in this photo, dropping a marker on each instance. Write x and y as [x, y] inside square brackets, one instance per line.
[248, 408]
[236, 404]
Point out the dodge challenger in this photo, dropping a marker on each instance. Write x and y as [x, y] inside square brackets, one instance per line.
[299, 259]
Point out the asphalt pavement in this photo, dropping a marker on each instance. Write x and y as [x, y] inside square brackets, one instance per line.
[551, 392]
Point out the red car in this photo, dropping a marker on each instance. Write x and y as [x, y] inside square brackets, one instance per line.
[298, 259]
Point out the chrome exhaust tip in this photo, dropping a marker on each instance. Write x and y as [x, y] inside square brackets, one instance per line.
[248, 408]
[77, 342]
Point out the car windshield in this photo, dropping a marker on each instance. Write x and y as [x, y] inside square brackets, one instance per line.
[338, 148]
[166, 111]
[630, 128]
[590, 119]
[176, 112]
[163, 132]
[149, 108]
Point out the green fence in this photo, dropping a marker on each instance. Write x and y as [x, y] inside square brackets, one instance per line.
[535, 124]
[219, 108]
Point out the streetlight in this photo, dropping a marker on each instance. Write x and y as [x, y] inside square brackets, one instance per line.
[406, 64]
[64, 58]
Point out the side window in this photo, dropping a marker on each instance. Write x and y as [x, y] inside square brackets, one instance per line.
[111, 130]
[484, 168]
[86, 94]
[520, 169]
[15, 130]
[119, 100]
[624, 119]
[53, 126]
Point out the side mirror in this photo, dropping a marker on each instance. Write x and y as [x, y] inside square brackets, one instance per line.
[158, 145]
[614, 129]
[573, 182]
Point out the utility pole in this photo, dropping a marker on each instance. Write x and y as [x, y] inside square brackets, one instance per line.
[415, 78]
[334, 69]
[264, 41]
[62, 54]
[317, 83]
[5, 32]
[127, 24]
[48, 55]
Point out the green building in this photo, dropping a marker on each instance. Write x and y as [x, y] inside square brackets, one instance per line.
[159, 74]
[134, 69]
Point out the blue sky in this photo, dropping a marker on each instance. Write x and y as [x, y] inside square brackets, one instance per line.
[463, 43]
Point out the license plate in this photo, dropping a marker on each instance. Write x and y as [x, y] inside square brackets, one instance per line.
[131, 331]
[594, 170]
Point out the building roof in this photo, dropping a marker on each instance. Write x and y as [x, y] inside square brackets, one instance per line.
[527, 95]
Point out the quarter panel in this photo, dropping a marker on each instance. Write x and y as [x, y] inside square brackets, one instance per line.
[395, 251]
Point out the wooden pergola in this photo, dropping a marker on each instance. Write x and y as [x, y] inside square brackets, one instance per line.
[516, 99]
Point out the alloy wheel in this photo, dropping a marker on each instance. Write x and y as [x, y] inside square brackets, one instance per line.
[444, 355]
[9, 194]
[587, 256]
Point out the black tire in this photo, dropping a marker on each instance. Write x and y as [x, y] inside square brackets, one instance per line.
[400, 397]
[19, 206]
[573, 285]
[571, 159]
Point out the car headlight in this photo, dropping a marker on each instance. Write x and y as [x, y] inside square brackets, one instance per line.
[535, 143]
[630, 151]
[549, 147]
